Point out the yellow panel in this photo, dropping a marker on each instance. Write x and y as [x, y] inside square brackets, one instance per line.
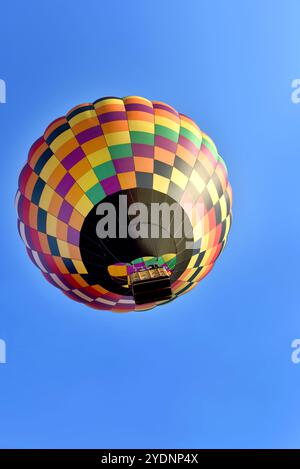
[212, 191]
[206, 258]
[105, 102]
[196, 214]
[141, 126]
[198, 231]
[192, 261]
[179, 178]
[117, 138]
[169, 256]
[79, 266]
[160, 183]
[204, 242]
[99, 157]
[82, 116]
[223, 207]
[84, 205]
[46, 197]
[197, 181]
[88, 180]
[227, 226]
[51, 225]
[170, 124]
[49, 167]
[63, 248]
[61, 139]
[139, 99]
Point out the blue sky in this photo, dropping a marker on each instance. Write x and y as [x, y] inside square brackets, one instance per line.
[214, 368]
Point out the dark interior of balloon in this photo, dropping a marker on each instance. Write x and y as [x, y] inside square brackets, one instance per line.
[113, 261]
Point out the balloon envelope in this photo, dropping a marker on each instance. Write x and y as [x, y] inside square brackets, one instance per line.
[146, 152]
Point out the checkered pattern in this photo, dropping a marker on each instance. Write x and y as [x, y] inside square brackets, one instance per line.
[111, 145]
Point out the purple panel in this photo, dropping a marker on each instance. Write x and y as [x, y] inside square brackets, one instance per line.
[24, 176]
[73, 236]
[112, 116]
[76, 155]
[139, 107]
[49, 279]
[43, 261]
[64, 279]
[138, 266]
[165, 143]
[123, 165]
[60, 277]
[165, 108]
[20, 207]
[190, 146]
[65, 185]
[111, 185]
[89, 134]
[65, 211]
[140, 149]
[74, 297]
[29, 252]
[29, 239]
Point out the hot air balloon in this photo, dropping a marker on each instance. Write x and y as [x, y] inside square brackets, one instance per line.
[89, 173]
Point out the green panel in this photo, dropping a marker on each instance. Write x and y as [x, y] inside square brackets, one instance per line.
[120, 151]
[151, 261]
[105, 170]
[190, 136]
[222, 162]
[166, 132]
[142, 137]
[96, 193]
[210, 147]
[171, 263]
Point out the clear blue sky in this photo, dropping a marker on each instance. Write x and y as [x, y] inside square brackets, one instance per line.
[212, 369]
